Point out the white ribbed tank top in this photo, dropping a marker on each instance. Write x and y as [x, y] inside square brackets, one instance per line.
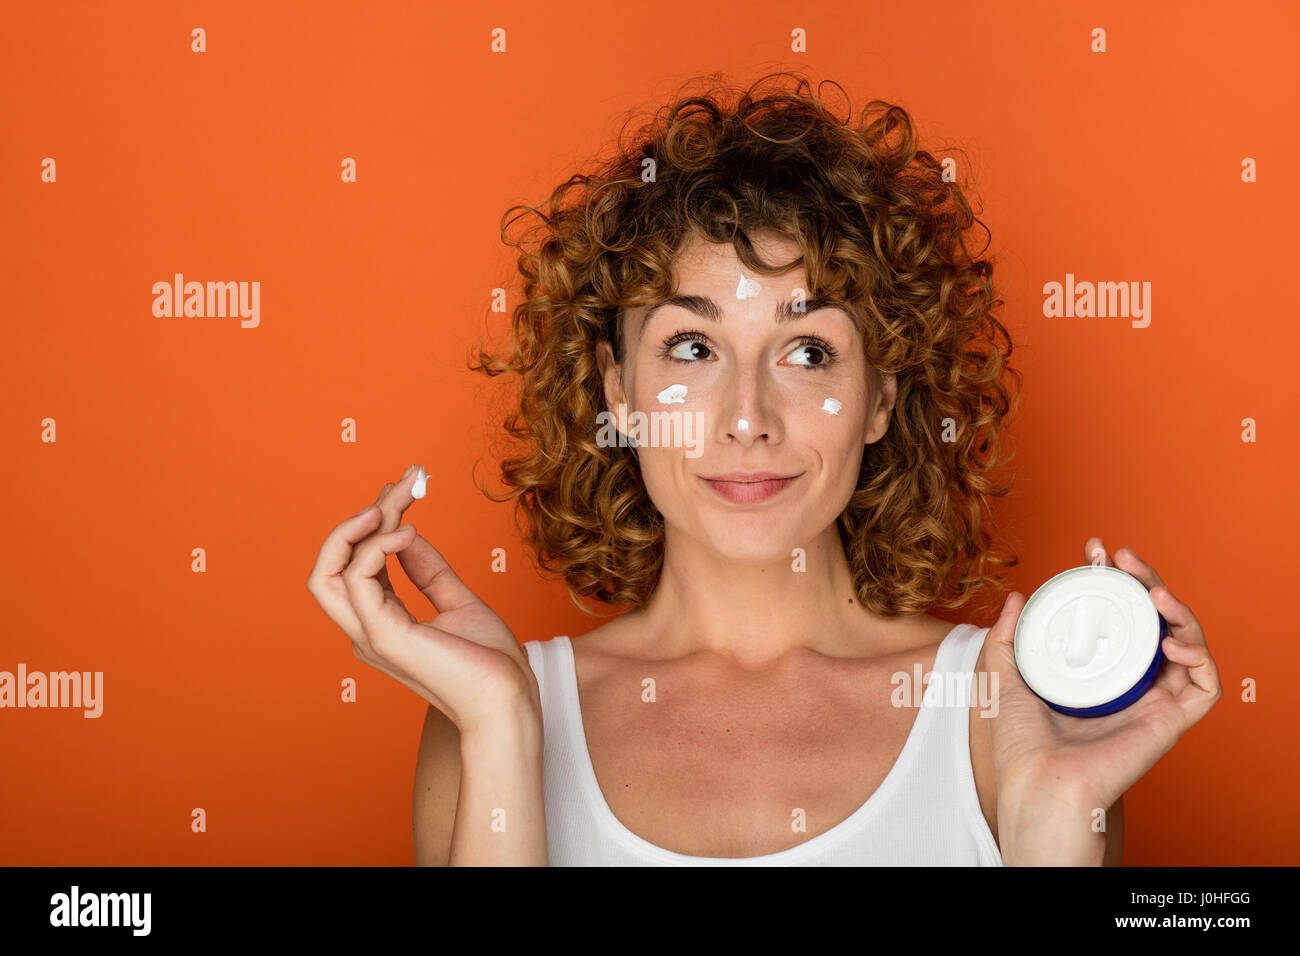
[924, 813]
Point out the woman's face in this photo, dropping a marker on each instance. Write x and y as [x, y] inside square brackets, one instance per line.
[774, 389]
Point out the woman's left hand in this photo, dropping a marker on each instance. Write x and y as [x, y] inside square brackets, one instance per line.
[1054, 771]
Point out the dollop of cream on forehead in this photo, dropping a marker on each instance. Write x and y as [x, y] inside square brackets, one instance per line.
[671, 394]
[747, 288]
[832, 405]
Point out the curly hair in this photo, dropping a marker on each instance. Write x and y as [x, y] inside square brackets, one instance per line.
[879, 225]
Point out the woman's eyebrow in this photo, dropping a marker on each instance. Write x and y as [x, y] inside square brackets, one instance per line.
[707, 308]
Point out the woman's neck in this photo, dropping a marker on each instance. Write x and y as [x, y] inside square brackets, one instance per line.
[753, 614]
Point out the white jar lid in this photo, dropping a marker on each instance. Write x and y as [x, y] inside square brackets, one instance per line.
[1086, 636]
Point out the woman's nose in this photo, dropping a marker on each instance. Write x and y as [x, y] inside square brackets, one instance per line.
[743, 430]
[749, 413]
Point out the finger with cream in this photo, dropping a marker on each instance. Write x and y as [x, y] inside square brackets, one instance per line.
[1088, 641]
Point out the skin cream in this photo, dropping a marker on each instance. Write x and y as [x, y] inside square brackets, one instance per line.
[832, 405]
[1088, 641]
[673, 393]
[417, 489]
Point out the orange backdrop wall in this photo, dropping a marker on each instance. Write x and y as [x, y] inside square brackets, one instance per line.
[130, 440]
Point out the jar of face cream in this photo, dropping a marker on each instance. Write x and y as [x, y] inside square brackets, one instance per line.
[1088, 641]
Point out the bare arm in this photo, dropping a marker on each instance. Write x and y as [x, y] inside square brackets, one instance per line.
[437, 786]
[1114, 835]
[477, 798]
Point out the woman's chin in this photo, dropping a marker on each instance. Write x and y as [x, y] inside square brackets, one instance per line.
[758, 538]
[760, 547]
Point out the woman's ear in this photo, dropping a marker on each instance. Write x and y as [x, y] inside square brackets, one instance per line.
[883, 397]
[610, 375]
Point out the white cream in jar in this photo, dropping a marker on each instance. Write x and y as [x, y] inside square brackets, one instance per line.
[1088, 641]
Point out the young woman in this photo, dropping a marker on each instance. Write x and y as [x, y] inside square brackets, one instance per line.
[797, 291]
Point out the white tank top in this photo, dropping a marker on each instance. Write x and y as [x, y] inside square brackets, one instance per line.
[924, 813]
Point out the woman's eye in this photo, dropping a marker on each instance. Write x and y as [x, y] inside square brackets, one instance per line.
[816, 356]
[691, 347]
[689, 350]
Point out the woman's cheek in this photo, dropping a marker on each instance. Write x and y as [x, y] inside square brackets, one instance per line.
[674, 394]
[832, 421]
[826, 410]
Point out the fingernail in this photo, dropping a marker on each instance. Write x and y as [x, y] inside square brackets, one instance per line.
[406, 474]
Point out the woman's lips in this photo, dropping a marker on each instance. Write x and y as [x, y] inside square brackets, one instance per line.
[748, 492]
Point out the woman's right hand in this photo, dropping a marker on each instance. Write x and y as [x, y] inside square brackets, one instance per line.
[466, 662]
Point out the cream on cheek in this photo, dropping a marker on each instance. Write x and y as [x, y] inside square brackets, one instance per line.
[657, 426]
[672, 394]
[834, 431]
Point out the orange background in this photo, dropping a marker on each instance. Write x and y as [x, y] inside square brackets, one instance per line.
[222, 689]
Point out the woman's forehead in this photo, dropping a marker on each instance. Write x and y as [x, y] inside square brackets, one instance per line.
[705, 259]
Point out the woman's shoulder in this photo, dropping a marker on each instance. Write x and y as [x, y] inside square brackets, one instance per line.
[916, 639]
[609, 644]
[595, 652]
